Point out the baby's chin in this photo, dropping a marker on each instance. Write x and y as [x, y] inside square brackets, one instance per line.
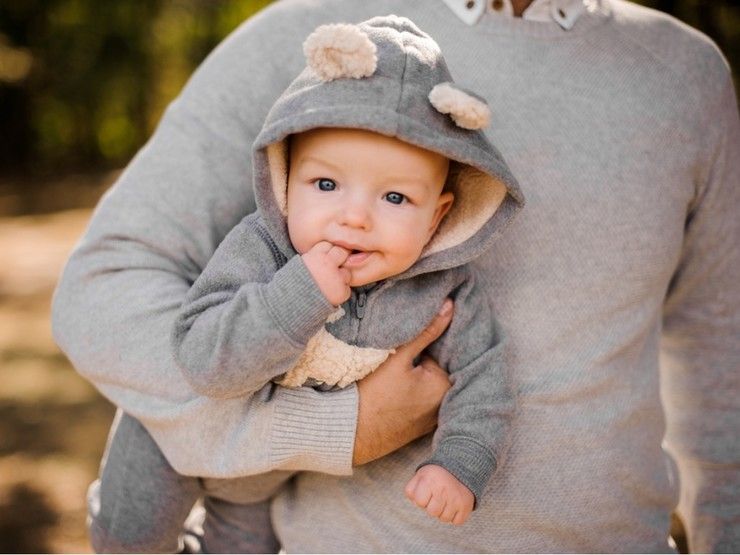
[363, 277]
[361, 282]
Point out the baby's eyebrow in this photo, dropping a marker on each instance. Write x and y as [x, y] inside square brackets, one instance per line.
[406, 180]
[318, 161]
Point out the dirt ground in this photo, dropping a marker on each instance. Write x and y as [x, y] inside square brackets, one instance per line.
[53, 424]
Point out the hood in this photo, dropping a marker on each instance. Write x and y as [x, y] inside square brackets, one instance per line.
[387, 76]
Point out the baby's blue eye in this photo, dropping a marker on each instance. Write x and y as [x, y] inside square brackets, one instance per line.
[325, 184]
[395, 198]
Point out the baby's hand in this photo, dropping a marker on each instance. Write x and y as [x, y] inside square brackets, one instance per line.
[324, 261]
[442, 495]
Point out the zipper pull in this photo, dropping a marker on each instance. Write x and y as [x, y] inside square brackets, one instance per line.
[360, 305]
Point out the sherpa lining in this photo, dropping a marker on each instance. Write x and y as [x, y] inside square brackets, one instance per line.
[477, 197]
[277, 158]
[328, 360]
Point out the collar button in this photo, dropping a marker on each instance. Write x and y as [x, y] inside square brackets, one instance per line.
[470, 4]
[497, 5]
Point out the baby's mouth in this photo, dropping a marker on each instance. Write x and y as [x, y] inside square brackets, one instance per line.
[356, 257]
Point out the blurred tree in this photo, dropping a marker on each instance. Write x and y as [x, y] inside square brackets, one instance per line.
[83, 82]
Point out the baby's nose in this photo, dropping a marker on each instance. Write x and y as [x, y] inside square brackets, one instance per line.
[356, 213]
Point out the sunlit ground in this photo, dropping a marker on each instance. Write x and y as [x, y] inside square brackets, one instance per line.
[53, 424]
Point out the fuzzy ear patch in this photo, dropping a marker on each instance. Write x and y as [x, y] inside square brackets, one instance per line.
[467, 111]
[340, 50]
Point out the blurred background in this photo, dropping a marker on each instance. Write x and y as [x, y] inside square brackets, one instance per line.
[82, 85]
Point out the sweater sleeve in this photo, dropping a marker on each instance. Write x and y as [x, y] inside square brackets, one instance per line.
[700, 358]
[475, 415]
[241, 325]
[149, 239]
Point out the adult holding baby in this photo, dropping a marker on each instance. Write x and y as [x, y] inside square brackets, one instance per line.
[622, 128]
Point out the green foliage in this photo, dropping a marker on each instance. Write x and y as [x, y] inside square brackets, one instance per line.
[84, 82]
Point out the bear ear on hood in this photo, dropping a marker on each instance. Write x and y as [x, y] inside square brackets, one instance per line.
[343, 50]
[340, 50]
[466, 110]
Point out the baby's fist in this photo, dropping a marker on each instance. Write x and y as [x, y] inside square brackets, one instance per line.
[324, 261]
[441, 494]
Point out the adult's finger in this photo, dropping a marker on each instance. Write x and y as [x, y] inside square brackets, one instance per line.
[438, 378]
[429, 334]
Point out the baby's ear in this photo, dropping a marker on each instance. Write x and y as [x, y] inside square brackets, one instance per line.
[340, 50]
[444, 203]
[466, 110]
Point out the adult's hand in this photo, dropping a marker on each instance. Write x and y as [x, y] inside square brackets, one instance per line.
[399, 401]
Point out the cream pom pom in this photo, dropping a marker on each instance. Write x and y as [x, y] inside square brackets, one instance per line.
[467, 111]
[340, 50]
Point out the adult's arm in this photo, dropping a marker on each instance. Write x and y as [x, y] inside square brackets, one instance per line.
[149, 239]
[701, 341]
[151, 236]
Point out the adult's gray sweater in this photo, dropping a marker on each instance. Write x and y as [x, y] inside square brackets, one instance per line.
[616, 286]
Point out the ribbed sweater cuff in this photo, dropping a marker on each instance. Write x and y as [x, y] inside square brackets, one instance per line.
[314, 430]
[296, 302]
[467, 460]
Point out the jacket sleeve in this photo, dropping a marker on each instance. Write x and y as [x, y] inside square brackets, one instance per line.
[149, 239]
[241, 325]
[475, 415]
[700, 356]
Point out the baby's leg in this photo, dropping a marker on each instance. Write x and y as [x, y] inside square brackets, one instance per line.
[140, 503]
[238, 528]
[237, 518]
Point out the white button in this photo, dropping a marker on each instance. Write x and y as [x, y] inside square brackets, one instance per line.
[566, 12]
[469, 11]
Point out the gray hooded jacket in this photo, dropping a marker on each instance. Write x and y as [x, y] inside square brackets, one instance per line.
[256, 315]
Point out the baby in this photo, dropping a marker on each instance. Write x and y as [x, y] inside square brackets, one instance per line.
[375, 187]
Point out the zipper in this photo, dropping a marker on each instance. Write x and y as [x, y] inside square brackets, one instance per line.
[360, 294]
[360, 305]
[359, 302]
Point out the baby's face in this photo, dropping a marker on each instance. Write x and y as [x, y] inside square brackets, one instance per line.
[377, 196]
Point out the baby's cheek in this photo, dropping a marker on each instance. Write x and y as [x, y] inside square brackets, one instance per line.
[302, 237]
[412, 250]
[398, 262]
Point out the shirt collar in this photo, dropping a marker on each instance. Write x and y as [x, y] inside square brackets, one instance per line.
[564, 12]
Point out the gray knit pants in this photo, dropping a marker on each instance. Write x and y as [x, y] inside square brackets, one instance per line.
[140, 504]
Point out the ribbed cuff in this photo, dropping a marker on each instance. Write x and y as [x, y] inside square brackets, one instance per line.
[314, 430]
[296, 302]
[467, 460]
